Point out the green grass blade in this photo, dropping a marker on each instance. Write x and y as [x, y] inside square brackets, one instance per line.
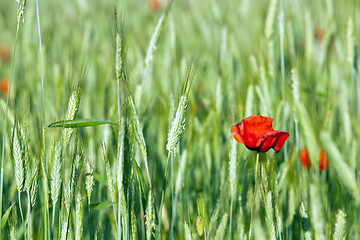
[77, 123]
[101, 205]
[99, 178]
[141, 178]
[6, 216]
[344, 173]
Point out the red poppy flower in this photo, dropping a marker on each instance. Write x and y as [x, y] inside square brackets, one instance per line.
[4, 84]
[324, 160]
[4, 53]
[257, 134]
[154, 5]
[142, 217]
[305, 160]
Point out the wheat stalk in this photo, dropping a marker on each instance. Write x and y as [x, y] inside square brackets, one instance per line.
[221, 230]
[70, 115]
[350, 40]
[21, 4]
[109, 178]
[89, 180]
[179, 178]
[150, 52]
[232, 169]
[187, 232]
[119, 58]
[150, 217]
[64, 230]
[67, 195]
[232, 179]
[139, 136]
[340, 226]
[9, 116]
[120, 155]
[55, 181]
[79, 215]
[69, 191]
[269, 24]
[34, 186]
[110, 181]
[132, 208]
[20, 13]
[17, 152]
[316, 212]
[178, 125]
[13, 224]
[305, 222]
[27, 164]
[269, 218]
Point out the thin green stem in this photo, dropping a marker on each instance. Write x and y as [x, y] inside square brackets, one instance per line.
[119, 165]
[46, 210]
[162, 195]
[173, 216]
[255, 190]
[1, 183]
[231, 218]
[173, 198]
[127, 225]
[142, 85]
[118, 224]
[282, 30]
[357, 84]
[142, 229]
[89, 223]
[21, 213]
[28, 214]
[53, 215]
[5, 121]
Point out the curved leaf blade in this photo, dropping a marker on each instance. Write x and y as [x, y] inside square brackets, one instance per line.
[6, 216]
[77, 123]
[101, 205]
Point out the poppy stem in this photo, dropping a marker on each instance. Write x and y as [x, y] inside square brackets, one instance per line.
[255, 190]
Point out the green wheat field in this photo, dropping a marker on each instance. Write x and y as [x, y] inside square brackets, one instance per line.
[117, 124]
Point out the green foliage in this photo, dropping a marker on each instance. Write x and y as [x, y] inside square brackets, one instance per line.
[76, 123]
[171, 83]
[6, 215]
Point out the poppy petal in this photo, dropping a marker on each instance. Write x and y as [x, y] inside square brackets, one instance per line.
[273, 139]
[281, 138]
[257, 134]
[236, 132]
[253, 128]
[324, 161]
[4, 84]
[304, 158]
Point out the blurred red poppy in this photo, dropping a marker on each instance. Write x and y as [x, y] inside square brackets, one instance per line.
[4, 84]
[142, 217]
[305, 160]
[324, 160]
[154, 5]
[257, 134]
[320, 34]
[4, 53]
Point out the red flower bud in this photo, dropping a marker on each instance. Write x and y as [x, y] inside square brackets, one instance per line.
[304, 158]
